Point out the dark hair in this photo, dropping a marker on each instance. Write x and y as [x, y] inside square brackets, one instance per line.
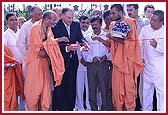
[134, 5]
[9, 15]
[148, 6]
[96, 18]
[34, 7]
[64, 10]
[119, 7]
[47, 14]
[106, 13]
[160, 14]
[83, 18]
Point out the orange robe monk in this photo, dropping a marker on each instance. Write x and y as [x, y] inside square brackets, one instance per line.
[127, 64]
[13, 81]
[37, 81]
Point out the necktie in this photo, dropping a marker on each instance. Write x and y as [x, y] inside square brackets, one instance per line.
[68, 30]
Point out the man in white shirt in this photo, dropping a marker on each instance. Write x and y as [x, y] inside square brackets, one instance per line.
[10, 35]
[10, 39]
[82, 81]
[152, 46]
[22, 41]
[97, 64]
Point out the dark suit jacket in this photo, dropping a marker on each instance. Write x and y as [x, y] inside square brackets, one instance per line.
[59, 30]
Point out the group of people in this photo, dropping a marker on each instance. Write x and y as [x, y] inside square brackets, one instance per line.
[54, 63]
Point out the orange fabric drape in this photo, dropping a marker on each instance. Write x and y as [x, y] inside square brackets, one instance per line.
[13, 81]
[37, 81]
[52, 48]
[127, 64]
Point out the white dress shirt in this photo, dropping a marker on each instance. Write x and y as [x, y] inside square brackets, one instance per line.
[96, 48]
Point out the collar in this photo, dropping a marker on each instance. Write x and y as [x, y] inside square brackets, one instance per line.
[65, 24]
[102, 33]
[10, 30]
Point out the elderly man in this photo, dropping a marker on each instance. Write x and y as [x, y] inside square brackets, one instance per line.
[69, 31]
[42, 46]
[152, 46]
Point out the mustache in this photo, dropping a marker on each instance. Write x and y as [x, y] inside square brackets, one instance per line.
[129, 14]
[95, 28]
[85, 26]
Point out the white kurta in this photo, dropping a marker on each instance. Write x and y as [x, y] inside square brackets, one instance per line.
[82, 81]
[153, 74]
[10, 41]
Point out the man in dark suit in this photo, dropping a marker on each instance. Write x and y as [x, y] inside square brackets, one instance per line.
[67, 32]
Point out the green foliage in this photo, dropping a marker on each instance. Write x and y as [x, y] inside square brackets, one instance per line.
[85, 12]
[19, 13]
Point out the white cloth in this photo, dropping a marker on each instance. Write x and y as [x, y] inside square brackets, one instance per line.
[153, 74]
[10, 41]
[109, 57]
[96, 48]
[81, 67]
[141, 23]
[82, 81]
[22, 42]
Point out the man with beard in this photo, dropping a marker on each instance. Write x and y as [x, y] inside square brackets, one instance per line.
[127, 62]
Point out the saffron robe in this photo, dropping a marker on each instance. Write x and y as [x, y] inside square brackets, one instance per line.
[37, 81]
[13, 81]
[127, 64]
